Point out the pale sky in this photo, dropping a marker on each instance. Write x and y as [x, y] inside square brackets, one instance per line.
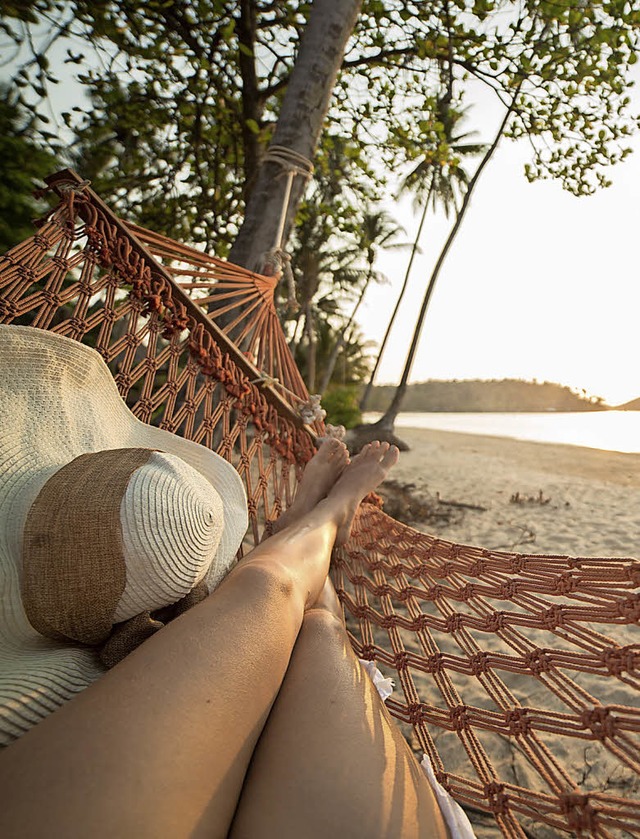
[538, 285]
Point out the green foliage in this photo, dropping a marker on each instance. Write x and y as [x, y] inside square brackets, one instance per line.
[23, 164]
[183, 97]
[341, 405]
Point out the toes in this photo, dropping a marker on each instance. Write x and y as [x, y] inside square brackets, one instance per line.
[390, 457]
[327, 447]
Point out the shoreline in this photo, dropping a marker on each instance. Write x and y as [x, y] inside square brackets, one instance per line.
[535, 498]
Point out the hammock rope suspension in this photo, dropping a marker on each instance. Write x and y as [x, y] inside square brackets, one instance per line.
[277, 260]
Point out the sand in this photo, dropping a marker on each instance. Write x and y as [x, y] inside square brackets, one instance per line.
[536, 497]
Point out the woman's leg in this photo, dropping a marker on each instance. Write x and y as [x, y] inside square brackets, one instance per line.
[330, 761]
[160, 745]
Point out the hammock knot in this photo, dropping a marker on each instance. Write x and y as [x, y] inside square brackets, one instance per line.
[52, 297]
[42, 241]
[401, 662]
[494, 622]
[454, 622]
[124, 382]
[619, 660]
[8, 308]
[538, 662]
[518, 721]
[415, 713]
[478, 568]
[497, 799]
[459, 718]
[600, 721]
[552, 617]
[479, 663]
[368, 651]
[467, 592]
[172, 387]
[565, 583]
[434, 663]
[508, 589]
[168, 425]
[26, 273]
[421, 622]
[633, 573]
[629, 608]
[143, 407]
[445, 570]
[389, 621]
[434, 592]
[580, 815]
[518, 564]
[78, 325]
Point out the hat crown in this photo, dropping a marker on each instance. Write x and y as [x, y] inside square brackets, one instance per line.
[172, 522]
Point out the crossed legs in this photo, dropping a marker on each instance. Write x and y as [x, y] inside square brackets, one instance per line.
[330, 761]
[161, 745]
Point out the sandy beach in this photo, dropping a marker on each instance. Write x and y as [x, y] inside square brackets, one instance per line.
[530, 497]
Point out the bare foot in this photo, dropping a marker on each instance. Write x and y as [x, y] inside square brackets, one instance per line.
[365, 472]
[320, 474]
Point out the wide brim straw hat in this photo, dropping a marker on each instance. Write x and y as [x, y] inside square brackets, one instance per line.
[94, 505]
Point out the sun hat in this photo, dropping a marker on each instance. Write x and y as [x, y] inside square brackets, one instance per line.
[103, 520]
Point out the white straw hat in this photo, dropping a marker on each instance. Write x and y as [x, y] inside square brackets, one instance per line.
[103, 519]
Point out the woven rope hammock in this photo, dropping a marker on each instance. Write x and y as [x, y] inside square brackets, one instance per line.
[550, 643]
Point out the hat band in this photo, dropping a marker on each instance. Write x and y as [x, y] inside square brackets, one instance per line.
[73, 562]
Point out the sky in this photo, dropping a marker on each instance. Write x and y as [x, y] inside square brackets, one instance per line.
[539, 285]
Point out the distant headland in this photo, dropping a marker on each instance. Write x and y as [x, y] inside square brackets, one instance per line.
[492, 396]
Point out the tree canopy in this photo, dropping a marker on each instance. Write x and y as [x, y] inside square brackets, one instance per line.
[184, 97]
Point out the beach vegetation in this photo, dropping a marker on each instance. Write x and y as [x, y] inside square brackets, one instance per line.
[23, 163]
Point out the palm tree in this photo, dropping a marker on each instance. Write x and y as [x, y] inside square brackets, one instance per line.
[438, 180]
[377, 232]
[322, 265]
[385, 425]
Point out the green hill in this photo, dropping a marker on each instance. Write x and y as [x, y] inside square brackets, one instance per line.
[476, 395]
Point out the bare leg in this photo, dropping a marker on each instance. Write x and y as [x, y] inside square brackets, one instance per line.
[160, 745]
[330, 761]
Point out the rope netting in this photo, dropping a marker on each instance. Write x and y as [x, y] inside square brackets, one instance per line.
[518, 675]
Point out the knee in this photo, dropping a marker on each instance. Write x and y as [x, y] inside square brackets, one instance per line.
[324, 625]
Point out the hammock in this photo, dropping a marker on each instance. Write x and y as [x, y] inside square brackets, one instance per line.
[545, 649]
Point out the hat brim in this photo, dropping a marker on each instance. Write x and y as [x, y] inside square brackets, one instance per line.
[60, 400]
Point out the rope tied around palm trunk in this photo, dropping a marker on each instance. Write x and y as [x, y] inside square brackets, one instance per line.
[276, 261]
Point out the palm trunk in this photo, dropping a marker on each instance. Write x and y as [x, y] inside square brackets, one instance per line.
[300, 124]
[331, 364]
[367, 393]
[387, 421]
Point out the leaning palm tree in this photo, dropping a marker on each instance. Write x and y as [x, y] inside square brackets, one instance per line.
[322, 263]
[438, 180]
[377, 233]
[385, 425]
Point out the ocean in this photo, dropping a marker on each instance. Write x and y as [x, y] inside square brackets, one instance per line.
[617, 431]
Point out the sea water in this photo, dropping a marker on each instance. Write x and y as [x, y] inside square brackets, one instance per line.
[617, 431]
